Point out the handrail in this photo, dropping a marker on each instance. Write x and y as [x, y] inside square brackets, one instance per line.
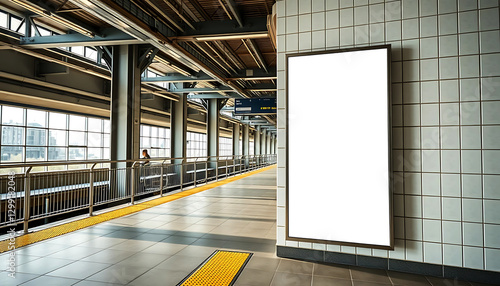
[54, 192]
[185, 159]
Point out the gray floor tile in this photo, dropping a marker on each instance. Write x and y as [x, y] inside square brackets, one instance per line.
[263, 263]
[75, 252]
[18, 279]
[336, 271]
[143, 259]
[197, 251]
[291, 279]
[41, 249]
[44, 265]
[152, 278]
[434, 281]
[118, 274]
[294, 266]
[109, 256]
[163, 248]
[329, 281]
[79, 269]
[181, 263]
[52, 281]
[94, 283]
[399, 278]
[255, 277]
[368, 283]
[370, 275]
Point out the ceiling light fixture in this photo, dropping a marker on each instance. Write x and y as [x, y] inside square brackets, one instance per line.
[232, 37]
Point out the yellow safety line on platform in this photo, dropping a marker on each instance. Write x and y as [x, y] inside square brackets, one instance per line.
[221, 269]
[44, 234]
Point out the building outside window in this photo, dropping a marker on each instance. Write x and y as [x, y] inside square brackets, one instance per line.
[196, 144]
[225, 146]
[156, 140]
[30, 135]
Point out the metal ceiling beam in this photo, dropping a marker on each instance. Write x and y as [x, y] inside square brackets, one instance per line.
[211, 95]
[44, 10]
[177, 78]
[234, 10]
[108, 37]
[253, 74]
[213, 90]
[224, 30]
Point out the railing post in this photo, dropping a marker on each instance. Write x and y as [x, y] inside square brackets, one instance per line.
[182, 174]
[91, 190]
[216, 168]
[195, 177]
[161, 178]
[27, 196]
[206, 170]
[132, 183]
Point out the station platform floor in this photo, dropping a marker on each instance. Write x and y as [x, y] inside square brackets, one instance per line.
[163, 244]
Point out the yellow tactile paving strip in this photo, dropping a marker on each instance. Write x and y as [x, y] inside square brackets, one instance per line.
[221, 269]
[44, 234]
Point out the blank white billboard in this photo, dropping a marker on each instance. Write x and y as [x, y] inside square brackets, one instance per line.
[338, 153]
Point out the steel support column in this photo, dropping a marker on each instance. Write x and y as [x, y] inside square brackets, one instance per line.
[125, 111]
[245, 140]
[213, 130]
[263, 144]
[236, 139]
[178, 126]
[257, 141]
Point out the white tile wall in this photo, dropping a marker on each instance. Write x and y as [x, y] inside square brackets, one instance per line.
[446, 102]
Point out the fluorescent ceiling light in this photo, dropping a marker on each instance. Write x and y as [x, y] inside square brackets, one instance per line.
[232, 37]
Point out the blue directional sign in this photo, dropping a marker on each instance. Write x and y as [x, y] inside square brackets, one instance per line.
[254, 106]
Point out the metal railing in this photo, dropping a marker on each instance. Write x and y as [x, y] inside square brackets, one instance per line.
[29, 196]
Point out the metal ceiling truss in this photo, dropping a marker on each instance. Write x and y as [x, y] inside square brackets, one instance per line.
[133, 20]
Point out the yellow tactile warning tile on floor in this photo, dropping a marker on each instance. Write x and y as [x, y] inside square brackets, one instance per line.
[222, 268]
[44, 234]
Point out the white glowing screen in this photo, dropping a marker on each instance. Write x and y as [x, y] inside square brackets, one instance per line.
[338, 147]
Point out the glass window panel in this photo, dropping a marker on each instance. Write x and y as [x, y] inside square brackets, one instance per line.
[77, 122]
[107, 126]
[21, 29]
[3, 20]
[95, 124]
[44, 32]
[12, 154]
[94, 153]
[145, 130]
[14, 23]
[57, 120]
[106, 140]
[95, 139]
[106, 154]
[36, 118]
[154, 152]
[161, 132]
[57, 153]
[12, 115]
[77, 50]
[161, 153]
[12, 135]
[77, 153]
[161, 143]
[35, 153]
[91, 53]
[36, 137]
[57, 137]
[146, 142]
[154, 142]
[154, 131]
[77, 138]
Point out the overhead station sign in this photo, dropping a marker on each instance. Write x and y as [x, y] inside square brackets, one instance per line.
[254, 106]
